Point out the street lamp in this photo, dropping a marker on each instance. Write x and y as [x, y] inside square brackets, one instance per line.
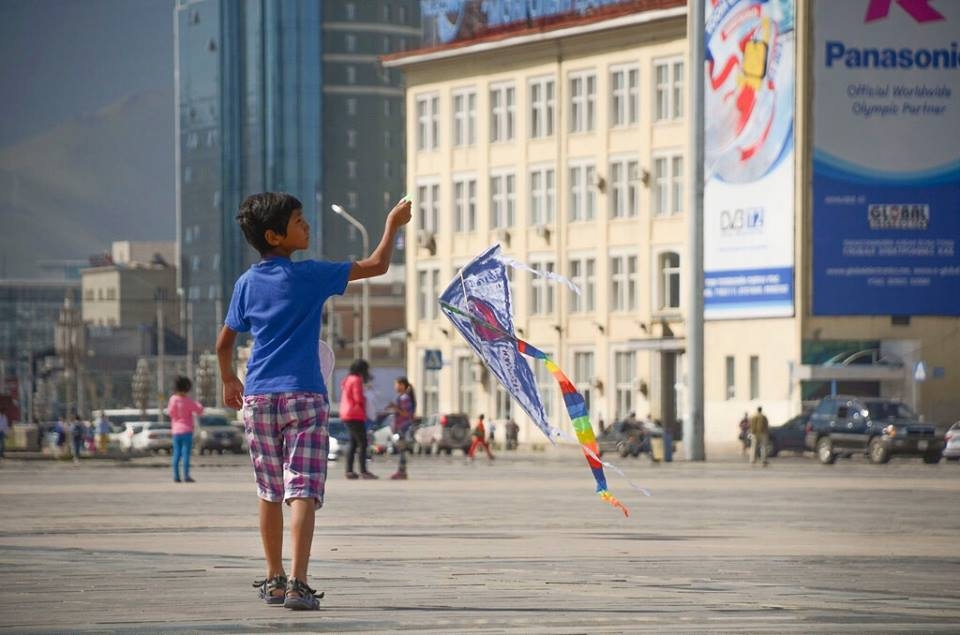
[337, 209]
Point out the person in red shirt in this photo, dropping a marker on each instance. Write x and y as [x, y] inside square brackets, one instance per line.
[353, 413]
[181, 410]
[479, 440]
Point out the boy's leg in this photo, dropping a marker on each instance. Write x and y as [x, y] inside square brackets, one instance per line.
[271, 534]
[303, 518]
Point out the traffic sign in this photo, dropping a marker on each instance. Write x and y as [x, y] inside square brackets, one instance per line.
[433, 359]
[920, 372]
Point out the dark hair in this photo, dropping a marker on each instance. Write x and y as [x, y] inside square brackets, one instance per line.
[362, 368]
[408, 389]
[260, 212]
[182, 384]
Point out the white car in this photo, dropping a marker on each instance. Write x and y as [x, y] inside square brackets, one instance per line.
[333, 450]
[951, 448]
[150, 436]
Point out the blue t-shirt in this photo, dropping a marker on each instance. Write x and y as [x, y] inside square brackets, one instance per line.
[280, 302]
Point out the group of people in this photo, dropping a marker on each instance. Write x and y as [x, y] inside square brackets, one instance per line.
[93, 437]
[356, 409]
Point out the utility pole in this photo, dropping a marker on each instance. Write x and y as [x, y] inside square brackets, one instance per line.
[189, 329]
[693, 422]
[161, 355]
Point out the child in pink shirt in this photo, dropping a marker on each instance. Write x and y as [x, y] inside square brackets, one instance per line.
[181, 410]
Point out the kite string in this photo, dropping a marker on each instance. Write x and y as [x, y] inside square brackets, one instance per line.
[549, 275]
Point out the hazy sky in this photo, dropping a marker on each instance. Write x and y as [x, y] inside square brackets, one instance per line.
[64, 58]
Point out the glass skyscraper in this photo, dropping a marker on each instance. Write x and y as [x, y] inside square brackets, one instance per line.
[282, 95]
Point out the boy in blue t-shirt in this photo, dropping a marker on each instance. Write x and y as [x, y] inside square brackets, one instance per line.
[284, 402]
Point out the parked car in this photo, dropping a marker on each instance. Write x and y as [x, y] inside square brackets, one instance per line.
[791, 436]
[443, 433]
[150, 436]
[215, 432]
[842, 426]
[333, 448]
[951, 450]
[624, 438]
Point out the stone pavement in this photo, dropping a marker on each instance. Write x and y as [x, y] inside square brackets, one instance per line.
[521, 545]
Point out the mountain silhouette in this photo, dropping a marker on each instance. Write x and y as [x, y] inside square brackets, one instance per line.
[71, 191]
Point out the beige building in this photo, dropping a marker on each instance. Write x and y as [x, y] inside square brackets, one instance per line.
[568, 144]
[127, 295]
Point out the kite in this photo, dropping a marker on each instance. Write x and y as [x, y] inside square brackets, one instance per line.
[478, 303]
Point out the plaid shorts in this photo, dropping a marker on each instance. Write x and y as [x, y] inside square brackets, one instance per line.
[288, 438]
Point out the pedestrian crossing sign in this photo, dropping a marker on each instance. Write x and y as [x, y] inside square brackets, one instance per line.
[433, 359]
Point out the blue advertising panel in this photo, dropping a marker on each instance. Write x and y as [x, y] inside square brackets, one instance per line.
[748, 198]
[886, 164]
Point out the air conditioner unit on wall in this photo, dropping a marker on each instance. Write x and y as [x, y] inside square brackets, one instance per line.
[543, 231]
[503, 236]
[427, 240]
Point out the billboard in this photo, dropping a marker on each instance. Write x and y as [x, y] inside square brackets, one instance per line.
[748, 202]
[445, 21]
[886, 160]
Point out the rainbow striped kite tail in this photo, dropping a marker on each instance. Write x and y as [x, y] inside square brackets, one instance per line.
[610, 498]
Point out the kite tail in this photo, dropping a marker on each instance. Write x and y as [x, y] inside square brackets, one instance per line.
[610, 498]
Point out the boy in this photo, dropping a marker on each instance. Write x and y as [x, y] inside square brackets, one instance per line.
[284, 401]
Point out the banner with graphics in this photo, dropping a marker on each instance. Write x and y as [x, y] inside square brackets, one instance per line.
[748, 204]
[886, 162]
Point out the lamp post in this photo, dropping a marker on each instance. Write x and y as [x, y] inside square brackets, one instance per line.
[365, 282]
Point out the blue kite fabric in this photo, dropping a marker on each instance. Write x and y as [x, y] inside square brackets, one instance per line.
[477, 302]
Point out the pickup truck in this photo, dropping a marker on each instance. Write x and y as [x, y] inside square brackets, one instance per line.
[842, 426]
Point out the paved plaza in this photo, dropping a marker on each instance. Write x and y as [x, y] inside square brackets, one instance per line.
[521, 545]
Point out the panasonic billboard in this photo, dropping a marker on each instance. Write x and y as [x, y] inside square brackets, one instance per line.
[886, 160]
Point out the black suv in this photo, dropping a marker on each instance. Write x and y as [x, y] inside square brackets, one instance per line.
[880, 428]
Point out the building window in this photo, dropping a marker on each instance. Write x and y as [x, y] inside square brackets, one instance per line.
[386, 13]
[403, 14]
[351, 169]
[428, 283]
[503, 410]
[502, 112]
[730, 379]
[386, 43]
[428, 206]
[541, 107]
[195, 263]
[353, 200]
[387, 140]
[387, 170]
[350, 11]
[624, 188]
[464, 118]
[111, 293]
[503, 201]
[351, 138]
[541, 289]
[431, 392]
[669, 90]
[583, 196]
[351, 106]
[625, 283]
[668, 185]
[428, 122]
[668, 264]
[350, 42]
[351, 74]
[624, 378]
[465, 205]
[387, 108]
[583, 376]
[625, 96]
[546, 384]
[465, 384]
[542, 196]
[754, 377]
[583, 273]
[583, 101]
[215, 262]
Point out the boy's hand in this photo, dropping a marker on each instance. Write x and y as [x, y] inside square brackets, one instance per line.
[400, 214]
[233, 392]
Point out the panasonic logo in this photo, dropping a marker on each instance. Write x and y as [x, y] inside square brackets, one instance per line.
[852, 57]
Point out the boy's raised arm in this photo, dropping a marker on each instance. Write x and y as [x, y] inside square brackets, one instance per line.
[377, 263]
[232, 387]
